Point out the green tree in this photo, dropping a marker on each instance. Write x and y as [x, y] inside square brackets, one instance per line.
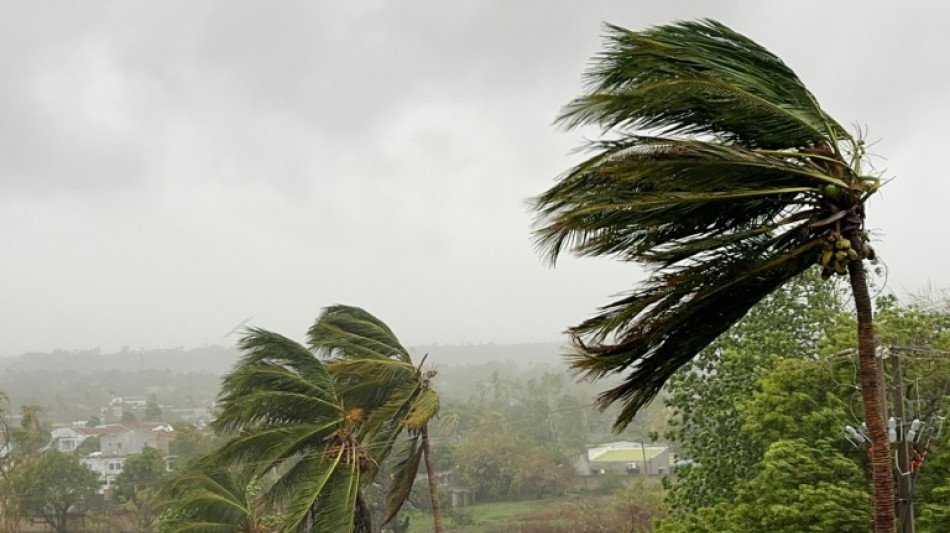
[803, 486]
[281, 408]
[488, 463]
[935, 516]
[798, 486]
[140, 471]
[49, 487]
[153, 412]
[88, 445]
[722, 175]
[375, 373]
[189, 444]
[22, 444]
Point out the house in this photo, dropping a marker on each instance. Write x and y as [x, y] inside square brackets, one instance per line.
[117, 442]
[106, 467]
[67, 439]
[624, 458]
[156, 435]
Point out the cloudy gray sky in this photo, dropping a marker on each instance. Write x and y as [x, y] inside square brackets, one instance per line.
[168, 169]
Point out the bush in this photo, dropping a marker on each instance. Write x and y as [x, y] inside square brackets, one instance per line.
[461, 517]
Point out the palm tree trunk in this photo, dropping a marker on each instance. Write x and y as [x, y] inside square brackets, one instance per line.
[363, 521]
[430, 476]
[870, 394]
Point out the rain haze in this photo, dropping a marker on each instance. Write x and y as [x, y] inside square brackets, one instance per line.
[168, 170]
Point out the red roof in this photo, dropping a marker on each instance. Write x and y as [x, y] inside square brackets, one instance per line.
[108, 429]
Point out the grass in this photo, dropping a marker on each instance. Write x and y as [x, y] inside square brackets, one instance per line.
[494, 517]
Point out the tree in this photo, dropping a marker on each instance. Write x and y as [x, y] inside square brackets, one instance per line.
[21, 447]
[725, 178]
[375, 373]
[146, 470]
[153, 412]
[285, 416]
[49, 487]
[88, 445]
[705, 394]
[798, 486]
[189, 444]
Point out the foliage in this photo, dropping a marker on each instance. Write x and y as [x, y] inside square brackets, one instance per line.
[51, 486]
[153, 412]
[140, 471]
[498, 467]
[935, 515]
[798, 486]
[284, 414]
[714, 176]
[704, 396]
[189, 444]
[213, 501]
[88, 445]
[140, 514]
[630, 509]
[22, 444]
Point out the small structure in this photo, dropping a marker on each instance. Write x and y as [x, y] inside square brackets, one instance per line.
[624, 458]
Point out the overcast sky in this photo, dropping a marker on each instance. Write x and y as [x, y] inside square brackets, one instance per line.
[169, 169]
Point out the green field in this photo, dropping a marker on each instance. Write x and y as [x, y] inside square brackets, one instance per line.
[496, 517]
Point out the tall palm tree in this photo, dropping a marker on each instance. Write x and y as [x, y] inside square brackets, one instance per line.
[284, 411]
[720, 173]
[375, 373]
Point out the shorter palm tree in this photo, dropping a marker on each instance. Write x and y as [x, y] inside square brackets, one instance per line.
[282, 407]
[375, 372]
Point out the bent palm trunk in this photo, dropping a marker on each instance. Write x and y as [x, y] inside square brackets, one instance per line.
[870, 395]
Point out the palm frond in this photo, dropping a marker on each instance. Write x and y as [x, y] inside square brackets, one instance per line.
[640, 193]
[700, 78]
[404, 475]
[209, 500]
[320, 491]
[343, 331]
[424, 408]
[267, 448]
[663, 325]
[721, 175]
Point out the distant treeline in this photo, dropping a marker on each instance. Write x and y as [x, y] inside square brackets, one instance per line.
[75, 384]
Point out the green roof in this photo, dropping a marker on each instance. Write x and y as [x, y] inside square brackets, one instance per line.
[626, 455]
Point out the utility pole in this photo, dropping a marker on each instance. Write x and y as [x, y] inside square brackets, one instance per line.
[905, 504]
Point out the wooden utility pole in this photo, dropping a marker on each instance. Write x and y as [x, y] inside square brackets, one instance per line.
[905, 505]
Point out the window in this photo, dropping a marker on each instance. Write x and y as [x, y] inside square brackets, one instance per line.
[67, 444]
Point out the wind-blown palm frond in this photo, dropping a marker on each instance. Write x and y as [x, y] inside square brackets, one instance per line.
[211, 501]
[348, 332]
[723, 177]
[403, 477]
[700, 78]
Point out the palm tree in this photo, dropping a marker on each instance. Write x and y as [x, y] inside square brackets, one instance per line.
[288, 420]
[720, 173]
[375, 373]
[213, 500]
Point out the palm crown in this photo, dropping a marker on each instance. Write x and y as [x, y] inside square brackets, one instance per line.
[282, 407]
[375, 372]
[719, 172]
